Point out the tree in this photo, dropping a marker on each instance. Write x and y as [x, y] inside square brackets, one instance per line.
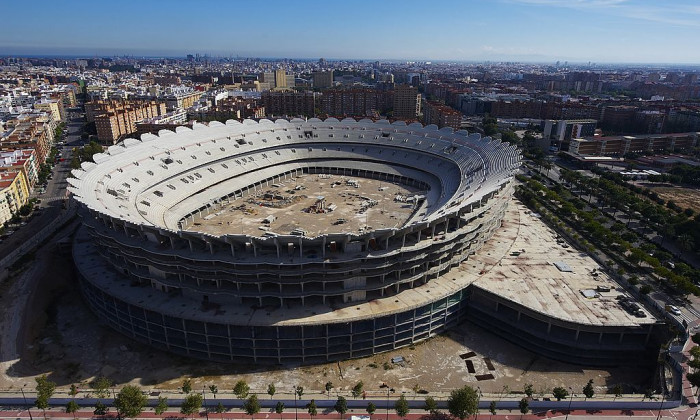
[341, 406]
[252, 405]
[220, 409]
[299, 390]
[693, 378]
[588, 390]
[524, 406]
[100, 409]
[357, 389]
[73, 390]
[617, 391]
[100, 386]
[463, 402]
[187, 386]
[312, 409]
[430, 405]
[685, 242]
[271, 390]
[191, 404]
[213, 389]
[695, 351]
[401, 406]
[529, 390]
[329, 386]
[44, 390]
[130, 401]
[415, 390]
[72, 407]
[492, 408]
[162, 406]
[371, 408]
[560, 393]
[241, 389]
[279, 408]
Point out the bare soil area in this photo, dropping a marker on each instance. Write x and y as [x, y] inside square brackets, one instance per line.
[687, 198]
[316, 204]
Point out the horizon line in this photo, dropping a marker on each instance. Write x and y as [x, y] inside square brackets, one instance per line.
[420, 60]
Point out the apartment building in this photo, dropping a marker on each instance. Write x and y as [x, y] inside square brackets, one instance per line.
[642, 144]
[14, 193]
[291, 103]
[28, 133]
[406, 102]
[24, 161]
[355, 102]
[441, 115]
[119, 120]
[323, 79]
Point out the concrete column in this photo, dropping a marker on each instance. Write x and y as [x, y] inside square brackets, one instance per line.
[600, 338]
[277, 247]
[323, 248]
[549, 327]
[622, 335]
[301, 248]
[233, 251]
[577, 332]
[519, 313]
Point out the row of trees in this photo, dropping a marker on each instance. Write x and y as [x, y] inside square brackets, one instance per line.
[681, 174]
[665, 217]
[131, 400]
[614, 237]
[84, 154]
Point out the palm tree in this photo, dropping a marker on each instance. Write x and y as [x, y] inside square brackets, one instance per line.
[685, 242]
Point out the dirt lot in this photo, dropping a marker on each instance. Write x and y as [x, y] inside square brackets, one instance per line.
[684, 197]
[348, 204]
[64, 340]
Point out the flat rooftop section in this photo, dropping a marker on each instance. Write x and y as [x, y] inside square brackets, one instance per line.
[314, 204]
[519, 263]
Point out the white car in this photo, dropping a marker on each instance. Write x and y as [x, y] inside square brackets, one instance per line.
[673, 309]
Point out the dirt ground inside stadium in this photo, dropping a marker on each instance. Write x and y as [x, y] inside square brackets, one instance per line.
[63, 339]
[313, 205]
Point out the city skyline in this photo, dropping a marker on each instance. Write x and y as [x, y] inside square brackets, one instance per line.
[603, 31]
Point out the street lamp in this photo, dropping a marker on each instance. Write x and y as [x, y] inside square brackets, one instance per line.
[663, 395]
[387, 403]
[119, 415]
[25, 402]
[206, 409]
[478, 400]
[568, 410]
[295, 404]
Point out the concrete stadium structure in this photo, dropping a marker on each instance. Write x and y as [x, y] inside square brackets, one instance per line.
[280, 297]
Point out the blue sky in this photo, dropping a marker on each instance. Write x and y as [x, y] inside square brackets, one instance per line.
[659, 31]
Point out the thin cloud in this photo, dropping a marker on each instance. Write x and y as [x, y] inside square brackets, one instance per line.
[675, 14]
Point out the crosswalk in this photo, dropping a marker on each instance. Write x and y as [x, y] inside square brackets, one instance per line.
[55, 198]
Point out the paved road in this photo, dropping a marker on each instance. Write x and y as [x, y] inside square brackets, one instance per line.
[379, 415]
[51, 202]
